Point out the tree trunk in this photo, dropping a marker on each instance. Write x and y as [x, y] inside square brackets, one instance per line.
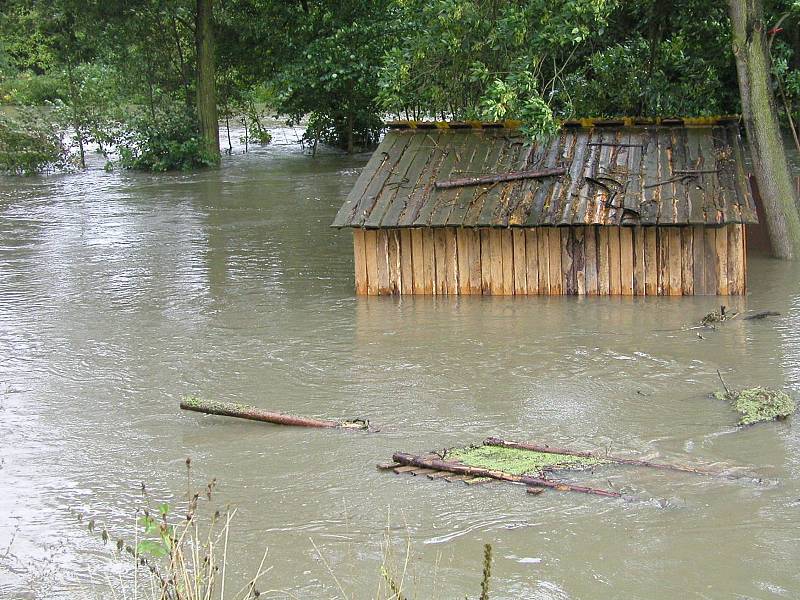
[770, 166]
[206, 84]
[350, 125]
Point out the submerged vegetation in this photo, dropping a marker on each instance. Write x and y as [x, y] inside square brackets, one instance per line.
[30, 143]
[759, 404]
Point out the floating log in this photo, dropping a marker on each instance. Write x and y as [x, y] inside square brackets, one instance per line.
[460, 469]
[253, 413]
[499, 178]
[493, 441]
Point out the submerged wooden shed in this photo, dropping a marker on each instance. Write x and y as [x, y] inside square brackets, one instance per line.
[607, 207]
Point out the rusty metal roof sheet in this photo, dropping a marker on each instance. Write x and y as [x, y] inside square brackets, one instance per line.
[661, 174]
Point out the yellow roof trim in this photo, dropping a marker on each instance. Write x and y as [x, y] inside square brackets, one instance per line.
[578, 122]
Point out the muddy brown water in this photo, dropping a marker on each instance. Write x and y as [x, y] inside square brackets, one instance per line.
[121, 292]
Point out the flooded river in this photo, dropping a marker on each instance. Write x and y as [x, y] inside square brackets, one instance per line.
[120, 293]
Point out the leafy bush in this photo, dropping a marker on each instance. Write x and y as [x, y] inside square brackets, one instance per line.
[30, 143]
[164, 140]
[28, 89]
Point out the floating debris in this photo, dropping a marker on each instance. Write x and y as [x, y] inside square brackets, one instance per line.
[253, 413]
[717, 316]
[466, 471]
[759, 404]
[522, 463]
[593, 458]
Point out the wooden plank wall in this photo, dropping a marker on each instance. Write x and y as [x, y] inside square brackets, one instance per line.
[584, 260]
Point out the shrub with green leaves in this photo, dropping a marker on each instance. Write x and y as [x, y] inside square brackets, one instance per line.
[31, 143]
[164, 140]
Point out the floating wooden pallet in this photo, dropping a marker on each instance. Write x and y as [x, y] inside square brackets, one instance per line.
[434, 467]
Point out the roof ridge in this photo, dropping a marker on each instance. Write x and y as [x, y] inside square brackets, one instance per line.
[577, 122]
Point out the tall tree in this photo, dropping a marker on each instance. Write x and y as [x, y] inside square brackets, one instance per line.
[770, 166]
[206, 78]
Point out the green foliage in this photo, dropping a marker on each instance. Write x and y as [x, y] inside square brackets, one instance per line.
[504, 59]
[659, 59]
[30, 143]
[329, 73]
[166, 140]
[30, 89]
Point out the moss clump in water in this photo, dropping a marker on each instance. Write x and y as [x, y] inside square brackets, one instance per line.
[519, 462]
[759, 404]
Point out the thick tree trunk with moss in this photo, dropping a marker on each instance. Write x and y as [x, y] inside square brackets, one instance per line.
[206, 84]
[770, 166]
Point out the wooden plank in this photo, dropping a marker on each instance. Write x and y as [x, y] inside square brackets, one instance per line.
[675, 260]
[451, 260]
[474, 242]
[404, 469]
[520, 262]
[710, 260]
[360, 261]
[744, 259]
[378, 163]
[507, 243]
[416, 472]
[579, 259]
[496, 197]
[428, 261]
[626, 260]
[371, 258]
[406, 261]
[614, 262]
[417, 194]
[698, 261]
[603, 266]
[554, 247]
[687, 261]
[568, 285]
[663, 261]
[440, 262]
[395, 270]
[395, 184]
[532, 260]
[463, 248]
[464, 146]
[650, 261]
[496, 260]
[639, 277]
[543, 242]
[417, 260]
[722, 260]
[590, 259]
[694, 160]
[735, 264]
[382, 257]
[486, 260]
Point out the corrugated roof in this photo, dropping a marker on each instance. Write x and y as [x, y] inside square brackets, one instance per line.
[615, 174]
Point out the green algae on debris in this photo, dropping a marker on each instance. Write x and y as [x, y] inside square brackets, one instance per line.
[759, 404]
[517, 461]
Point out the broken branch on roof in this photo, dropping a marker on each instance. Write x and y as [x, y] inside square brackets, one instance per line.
[500, 177]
